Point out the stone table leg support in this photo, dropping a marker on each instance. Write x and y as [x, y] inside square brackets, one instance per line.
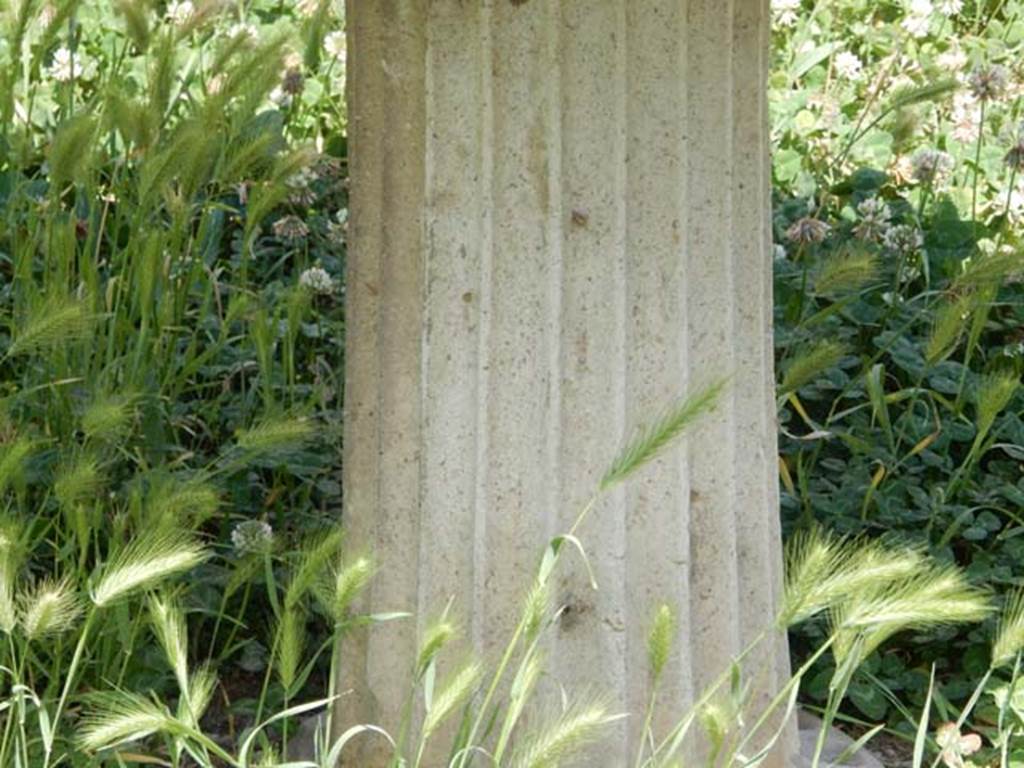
[560, 224]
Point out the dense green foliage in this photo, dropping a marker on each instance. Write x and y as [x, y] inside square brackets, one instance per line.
[899, 315]
[172, 242]
[172, 216]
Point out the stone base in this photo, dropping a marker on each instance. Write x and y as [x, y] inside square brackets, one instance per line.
[301, 747]
[837, 743]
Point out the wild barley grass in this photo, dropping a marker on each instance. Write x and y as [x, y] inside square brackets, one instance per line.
[145, 562]
[809, 363]
[118, 718]
[48, 608]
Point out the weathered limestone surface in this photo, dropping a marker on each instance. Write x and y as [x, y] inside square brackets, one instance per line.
[560, 223]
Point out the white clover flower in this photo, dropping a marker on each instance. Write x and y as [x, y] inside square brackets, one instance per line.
[874, 216]
[180, 12]
[67, 66]
[918, 17]
[1015, 203]
[903, 238]
[280, 98]
[317, 280]
[291, 229]
[952, 60]
[785, 11]
[966, 118]
[950, 7]
[988, 83]
[808, 230]
[779, 252]
[848, 65]
[252, 537]
[334, 45]
[243, 29]
[931, 166]
[917, 26]
[338, 228]
[307, 8]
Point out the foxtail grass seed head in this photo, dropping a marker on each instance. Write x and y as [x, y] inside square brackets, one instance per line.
[13, 456]
[291, 644]
[52, 323]
[994, 393]
[177, 504]
[846, 271]
[118, 718]
[317, 557]
[273, 435]
[535, 609]
[811, 363]
[1010, 635]
[78, 481]
[660, 640]
[716, 723]
[563, 737]
[453, 695]
[48, 608]
[349, 581]
[169, 627]
[145, 562]
[202, 685]
[108, 418]
[252, 537]
[434, 640]
[950, 321]
[808, 230]
[823, 570]
[649, 443]
[11, 556]
[935, 596]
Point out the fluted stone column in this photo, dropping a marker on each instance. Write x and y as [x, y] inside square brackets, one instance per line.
[560, 223]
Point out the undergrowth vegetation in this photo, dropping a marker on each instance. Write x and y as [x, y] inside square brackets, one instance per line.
[899, 317]
[172, 245]
[172, 219]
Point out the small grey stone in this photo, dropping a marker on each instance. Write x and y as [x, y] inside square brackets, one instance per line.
[836, 743]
